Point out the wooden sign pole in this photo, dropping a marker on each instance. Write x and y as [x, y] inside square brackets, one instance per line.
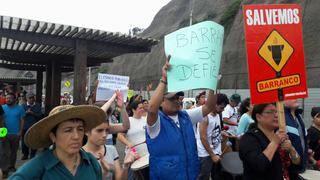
[281, 117]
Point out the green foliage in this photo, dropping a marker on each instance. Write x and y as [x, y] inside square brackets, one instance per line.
[103, 69]
[229, 15]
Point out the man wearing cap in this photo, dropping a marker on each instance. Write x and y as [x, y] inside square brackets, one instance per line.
[170, 136]
[33, 115]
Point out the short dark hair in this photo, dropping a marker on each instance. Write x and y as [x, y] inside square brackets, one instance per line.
[199, 95]
[134, 105]
[222, 99]
[144, 100]
[109, 111]
[12, 94]
[54, 129]
[244, 106]
[258, 109]
[315, 111]
[235, 98]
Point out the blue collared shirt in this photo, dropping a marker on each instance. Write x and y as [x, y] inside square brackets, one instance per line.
[47, 166]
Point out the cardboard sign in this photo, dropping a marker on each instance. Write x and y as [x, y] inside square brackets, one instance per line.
[275, 52]
[195, 56]
[130, 94]
[108, 84]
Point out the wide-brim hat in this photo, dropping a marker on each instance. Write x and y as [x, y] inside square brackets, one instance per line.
[38, 135]
[170, 95]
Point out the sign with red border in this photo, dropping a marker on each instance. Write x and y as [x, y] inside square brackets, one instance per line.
[275, 52]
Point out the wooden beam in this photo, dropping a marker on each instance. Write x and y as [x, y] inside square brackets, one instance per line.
[22, 67]
[37, 38]
[80, 73]
[47, 39]
[39, 87]
[55, 83]
[48, 88]
[43, 58]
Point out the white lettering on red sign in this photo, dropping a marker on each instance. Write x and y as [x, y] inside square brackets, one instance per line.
[260, 17]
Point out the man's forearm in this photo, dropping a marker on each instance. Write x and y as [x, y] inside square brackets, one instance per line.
[228, 122]
[210, 104]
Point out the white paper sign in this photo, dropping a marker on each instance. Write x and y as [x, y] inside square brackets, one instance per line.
[109, 83]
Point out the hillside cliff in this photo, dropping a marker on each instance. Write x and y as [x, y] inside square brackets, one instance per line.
[145, 67]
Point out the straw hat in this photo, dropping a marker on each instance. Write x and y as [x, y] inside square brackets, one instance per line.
[38, 135]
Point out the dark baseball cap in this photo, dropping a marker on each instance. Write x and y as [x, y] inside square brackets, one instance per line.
[169, 95]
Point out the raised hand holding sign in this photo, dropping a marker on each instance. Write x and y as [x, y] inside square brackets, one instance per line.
[195, 56]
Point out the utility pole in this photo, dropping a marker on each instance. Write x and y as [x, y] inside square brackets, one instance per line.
[191, 11]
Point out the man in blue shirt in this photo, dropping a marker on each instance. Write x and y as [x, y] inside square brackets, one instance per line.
[33, 115]
[13, 121]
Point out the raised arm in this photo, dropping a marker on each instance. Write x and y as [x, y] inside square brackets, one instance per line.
[149, 87]
[124, 115]
[210, 103]
[157, 97]
[108, 104]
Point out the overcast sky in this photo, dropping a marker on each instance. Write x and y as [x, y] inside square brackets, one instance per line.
[110, 15]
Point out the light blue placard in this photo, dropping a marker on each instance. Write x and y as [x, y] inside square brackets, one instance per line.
[195, 56]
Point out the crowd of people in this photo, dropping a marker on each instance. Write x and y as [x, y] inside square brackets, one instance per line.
[163, 138]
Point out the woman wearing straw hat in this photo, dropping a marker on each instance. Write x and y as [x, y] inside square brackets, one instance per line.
[64, 129]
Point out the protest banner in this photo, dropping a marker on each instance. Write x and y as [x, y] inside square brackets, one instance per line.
[195, 56]
[109, 83]
[275, 54]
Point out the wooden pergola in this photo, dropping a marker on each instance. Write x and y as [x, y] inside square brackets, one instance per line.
[17, 81]
[54, 48]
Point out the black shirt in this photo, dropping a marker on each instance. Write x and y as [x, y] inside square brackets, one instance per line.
[314, 141]
[256, 164]
[1, 111]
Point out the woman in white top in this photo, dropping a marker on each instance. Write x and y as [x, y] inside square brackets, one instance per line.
[136, 135]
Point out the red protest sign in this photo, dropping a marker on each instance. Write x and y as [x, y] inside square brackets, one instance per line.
[275, 52]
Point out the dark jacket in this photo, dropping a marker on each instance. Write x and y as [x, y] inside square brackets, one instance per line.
[294, 136]
[31, 119]
[256, 165]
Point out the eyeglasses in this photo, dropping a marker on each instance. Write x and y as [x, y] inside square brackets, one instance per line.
[271, 112]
